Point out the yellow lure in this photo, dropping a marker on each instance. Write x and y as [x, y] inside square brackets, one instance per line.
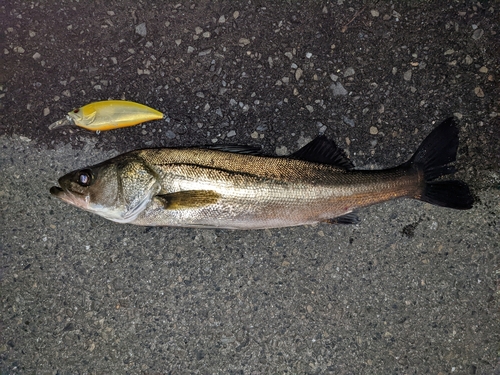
[109, 114]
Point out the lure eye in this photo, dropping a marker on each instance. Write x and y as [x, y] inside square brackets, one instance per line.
[76, 110]
[84, 178]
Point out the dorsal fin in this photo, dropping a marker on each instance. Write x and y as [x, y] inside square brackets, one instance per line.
[237, 149]
[325, 151]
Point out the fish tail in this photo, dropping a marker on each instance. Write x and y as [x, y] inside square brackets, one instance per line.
[433, 157]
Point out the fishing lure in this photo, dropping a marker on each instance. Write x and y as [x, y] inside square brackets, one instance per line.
[108, 115]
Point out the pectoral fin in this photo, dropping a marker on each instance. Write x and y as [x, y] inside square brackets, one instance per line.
[188, 199]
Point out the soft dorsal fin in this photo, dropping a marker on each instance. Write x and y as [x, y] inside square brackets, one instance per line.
[237, 149]
[188, 199]
[325, 151]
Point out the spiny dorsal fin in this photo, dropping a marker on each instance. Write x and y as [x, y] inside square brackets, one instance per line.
[325, 151]
[188, 199]
[237, 149]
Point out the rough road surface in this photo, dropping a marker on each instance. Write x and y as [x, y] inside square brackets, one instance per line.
[412, 289]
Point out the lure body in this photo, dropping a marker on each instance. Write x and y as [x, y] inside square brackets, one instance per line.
[108, 115]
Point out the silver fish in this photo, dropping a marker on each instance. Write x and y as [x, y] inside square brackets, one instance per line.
[234, 188]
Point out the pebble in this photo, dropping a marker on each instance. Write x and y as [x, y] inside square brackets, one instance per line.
[114, 60]
[236, 14]
[19, 49]
[190, 49]
[321, 128]
[222, 19]
[170, 134]
[289, 55]
[270, 61]
[310, 108]
[205, 52]
[36, 56]
[198, 30]
[178, 41]
[468, 60]
[244, 42]
[206, 34]
[230, 134]
[308, 55]
[298, 74]
[32, 33]
[450, 51]
[407, 75]
[338, 89]
[477, 34]
[374, 13]
[281, 151]
[46, 111]
[334, 77]
[254, 135]
[483, 69]
[373, 130]
[348, 121]
[349, 72]
[141, 29]
[110, 13]
[458, 115]
[479, 92]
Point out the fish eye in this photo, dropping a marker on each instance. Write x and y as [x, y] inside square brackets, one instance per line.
[84, 177]
[76, 110]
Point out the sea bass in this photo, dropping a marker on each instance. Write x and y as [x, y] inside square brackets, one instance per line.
[234, 187]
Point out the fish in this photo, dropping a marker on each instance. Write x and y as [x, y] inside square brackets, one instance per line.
[236, 187]
[108, 115]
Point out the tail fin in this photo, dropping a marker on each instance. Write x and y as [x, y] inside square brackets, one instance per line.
[433, 156]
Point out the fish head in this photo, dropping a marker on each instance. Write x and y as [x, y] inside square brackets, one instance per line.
[118, 191]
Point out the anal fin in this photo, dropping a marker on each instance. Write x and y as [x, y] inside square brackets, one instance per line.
[350, 218]
[188, 199]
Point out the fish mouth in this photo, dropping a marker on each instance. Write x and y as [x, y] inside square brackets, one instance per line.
[63, 195]
[56, 191]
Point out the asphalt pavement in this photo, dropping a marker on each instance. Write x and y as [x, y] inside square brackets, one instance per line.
[411, 289]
